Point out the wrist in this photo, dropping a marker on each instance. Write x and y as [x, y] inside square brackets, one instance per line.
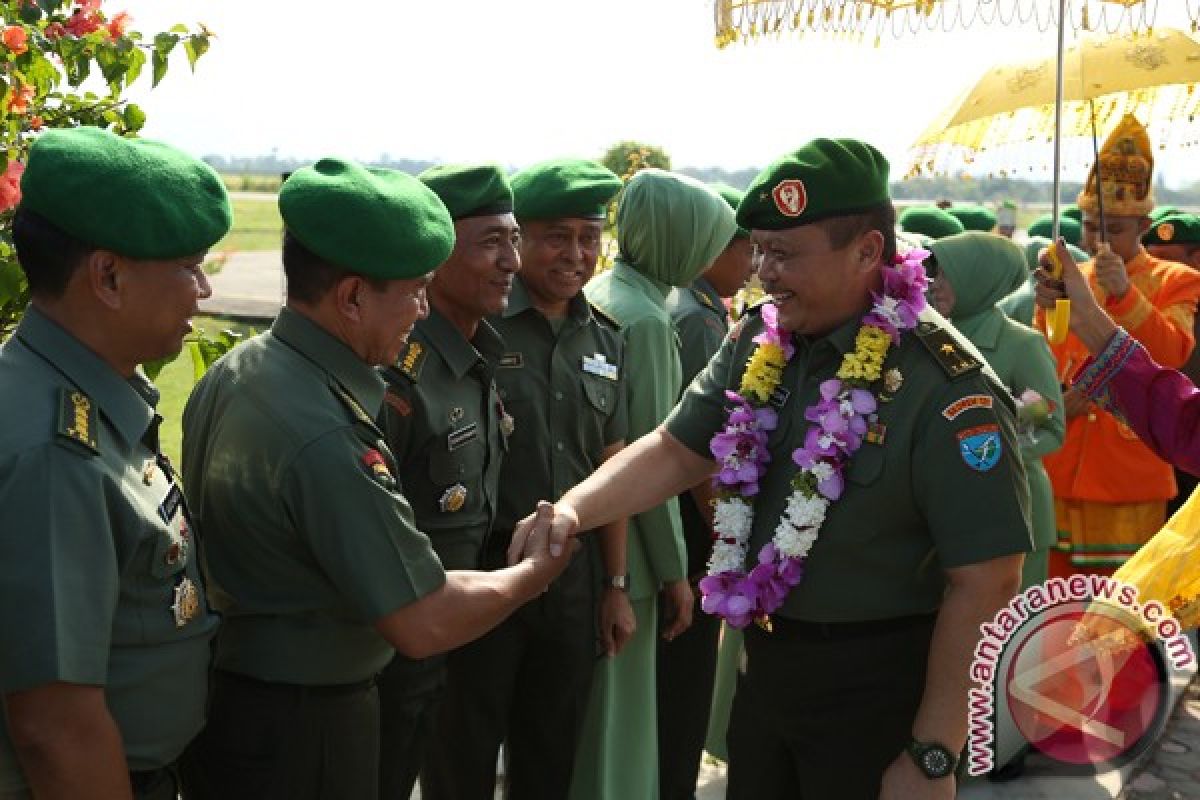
[616, 583]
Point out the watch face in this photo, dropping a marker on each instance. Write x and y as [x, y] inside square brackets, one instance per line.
[936, 762]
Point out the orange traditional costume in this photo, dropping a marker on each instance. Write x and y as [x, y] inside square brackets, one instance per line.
[1111, 490]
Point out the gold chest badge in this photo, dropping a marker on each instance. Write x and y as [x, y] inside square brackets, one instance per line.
[453, 499]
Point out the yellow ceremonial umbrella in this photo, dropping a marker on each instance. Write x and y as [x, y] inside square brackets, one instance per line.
[1153, 76]
[748, 20]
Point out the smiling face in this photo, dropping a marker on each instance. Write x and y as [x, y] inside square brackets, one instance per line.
[476, 280]
[158, 300]
[558, 256]
[815, 287]
[389, 311]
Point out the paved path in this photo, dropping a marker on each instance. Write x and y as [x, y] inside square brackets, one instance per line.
[249, 285]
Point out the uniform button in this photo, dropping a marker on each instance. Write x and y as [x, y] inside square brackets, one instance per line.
[1091, 416]
[558, 395]
[559, 446]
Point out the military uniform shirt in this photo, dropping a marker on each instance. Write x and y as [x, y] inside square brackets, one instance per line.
[94, 543]
[565, 392]
[912, 505]
[701, 320]
[443, 420]
[310, 540]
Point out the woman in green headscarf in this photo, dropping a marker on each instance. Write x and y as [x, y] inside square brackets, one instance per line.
[669, 229]
[974, 271]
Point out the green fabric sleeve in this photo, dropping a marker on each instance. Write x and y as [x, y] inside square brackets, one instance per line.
[652, 369]
[367, 542]
[616, 429]
[701, 410]
[973, 516]
[58, 570]
[1034, 369]
[699, 338]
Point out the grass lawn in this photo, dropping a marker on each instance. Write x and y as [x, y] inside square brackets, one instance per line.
[175, 384]
[256, 225]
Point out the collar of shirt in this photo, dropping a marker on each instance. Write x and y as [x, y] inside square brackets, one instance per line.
[703, 286]
[332, 355]
[127, 404]
[655, 290]
[460, 355]
[520, 302]
[836, 343]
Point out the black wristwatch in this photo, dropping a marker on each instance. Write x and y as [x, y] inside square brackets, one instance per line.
[620, 582]
[934, 760]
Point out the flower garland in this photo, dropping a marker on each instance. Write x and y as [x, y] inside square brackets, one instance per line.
[840, 420]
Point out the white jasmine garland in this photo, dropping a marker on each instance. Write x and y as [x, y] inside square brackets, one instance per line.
[733, 517]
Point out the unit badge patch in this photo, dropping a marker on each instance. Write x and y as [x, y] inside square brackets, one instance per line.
[980, 447]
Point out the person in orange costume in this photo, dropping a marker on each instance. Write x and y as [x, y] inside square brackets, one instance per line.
[1111, 490]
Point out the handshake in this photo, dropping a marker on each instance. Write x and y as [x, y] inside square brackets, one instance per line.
[546, 536]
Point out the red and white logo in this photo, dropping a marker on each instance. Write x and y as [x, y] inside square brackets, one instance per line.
[791, 198]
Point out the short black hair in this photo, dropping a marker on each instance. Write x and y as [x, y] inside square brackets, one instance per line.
[48, 255]
[842, 230]
[310, 277]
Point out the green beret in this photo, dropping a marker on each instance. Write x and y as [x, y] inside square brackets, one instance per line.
[733, 197]
[470, 191]
[824, 178]
[1071, 211]
[1158, 212]
[1069, 229]
[564, 187]
[140, 198]
[973, 218]
[377, 222]
[1177, 228]
[929, 220]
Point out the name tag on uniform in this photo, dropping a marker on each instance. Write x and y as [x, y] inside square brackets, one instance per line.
[598, 365]
[170, 504]
[458, 438]
[511, 361]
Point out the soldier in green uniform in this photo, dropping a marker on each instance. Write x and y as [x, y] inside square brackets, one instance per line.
[905, 527]
[446, 424]
[687, 664]
[104, 623]
[561, 379]
[315, 559]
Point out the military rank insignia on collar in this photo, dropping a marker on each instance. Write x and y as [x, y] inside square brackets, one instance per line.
[377, 468]
[413, 359]
[704, 299]
[946, 350]
[77, 418]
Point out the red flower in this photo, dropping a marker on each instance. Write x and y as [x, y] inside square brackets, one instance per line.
[55, 30]
[10, 185]
[84, 21]
[35, 123]
[15, 39]
[116, 26]
[18, 101]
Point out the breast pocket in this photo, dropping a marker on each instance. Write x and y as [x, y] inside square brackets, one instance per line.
[601, 394]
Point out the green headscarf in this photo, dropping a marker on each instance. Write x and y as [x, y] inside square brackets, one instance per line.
[983, 269]
[671, 227]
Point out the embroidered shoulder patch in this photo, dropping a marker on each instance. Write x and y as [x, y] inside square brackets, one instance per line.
[412, 360]
[964, 404]
[398, 403]
[946, 351]
[377, 468]
[980, 447]
[77, 418]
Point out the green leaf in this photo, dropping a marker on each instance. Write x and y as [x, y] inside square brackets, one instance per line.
[50, 6]
[135, 59]
[179, 28]
[111, 64]
[135, 118]
[159, 60]
[165, 42]
[42, 74]
[30, 14]
[195, 47]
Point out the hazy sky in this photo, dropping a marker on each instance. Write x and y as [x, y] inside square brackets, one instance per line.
[517, 81]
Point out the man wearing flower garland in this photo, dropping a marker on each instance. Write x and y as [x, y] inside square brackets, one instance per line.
[857, 442]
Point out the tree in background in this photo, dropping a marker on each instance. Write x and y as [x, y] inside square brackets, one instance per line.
[66, 63]
[626, 158]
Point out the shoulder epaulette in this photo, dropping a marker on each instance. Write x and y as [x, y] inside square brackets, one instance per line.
[602, 315]
[703, 299]
[411, 360]
[946, 351]
[77, 418]
[356, 409]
